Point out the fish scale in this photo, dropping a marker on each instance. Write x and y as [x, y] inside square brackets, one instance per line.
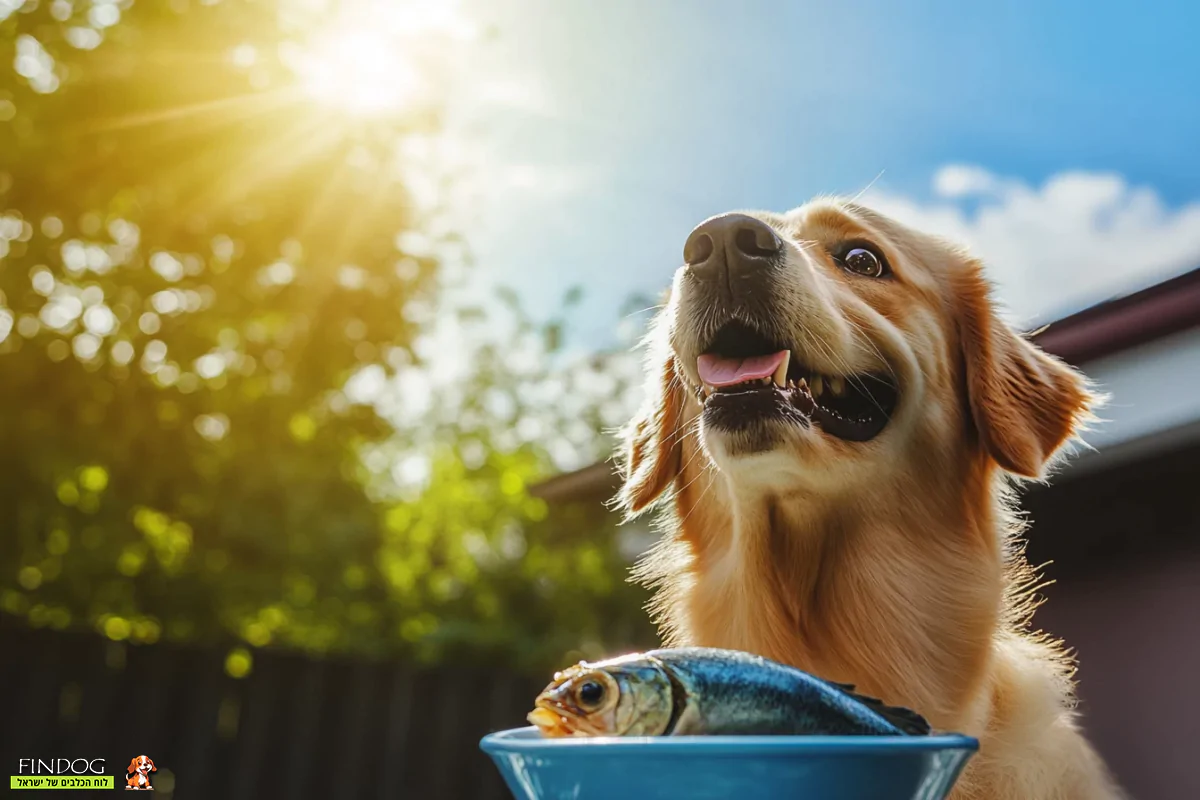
[738, 693]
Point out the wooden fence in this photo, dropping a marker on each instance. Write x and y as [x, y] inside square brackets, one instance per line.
[295, 728]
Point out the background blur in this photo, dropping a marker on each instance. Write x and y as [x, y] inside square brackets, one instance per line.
[314, 317]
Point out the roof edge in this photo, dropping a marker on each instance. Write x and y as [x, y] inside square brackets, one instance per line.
[1106, 328]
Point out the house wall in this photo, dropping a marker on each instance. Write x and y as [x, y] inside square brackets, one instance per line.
[1136, 630]
[1153, 402]
[1124, 547]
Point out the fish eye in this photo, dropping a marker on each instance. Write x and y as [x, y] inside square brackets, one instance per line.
[590, 694]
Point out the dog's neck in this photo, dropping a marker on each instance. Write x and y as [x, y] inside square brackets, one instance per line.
[826, 584]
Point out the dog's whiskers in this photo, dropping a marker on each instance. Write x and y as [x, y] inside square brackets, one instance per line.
[711, 469]
[867, 188]
[839, 364]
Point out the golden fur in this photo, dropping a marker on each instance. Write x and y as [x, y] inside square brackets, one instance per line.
[894, 564]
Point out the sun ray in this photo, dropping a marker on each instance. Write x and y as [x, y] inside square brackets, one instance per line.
[247, 105]
[292, 148]
[323, 109]
[368, 218]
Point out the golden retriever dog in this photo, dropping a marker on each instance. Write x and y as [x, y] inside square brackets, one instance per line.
[835, 417]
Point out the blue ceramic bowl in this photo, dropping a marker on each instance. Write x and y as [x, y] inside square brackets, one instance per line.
[729, 767]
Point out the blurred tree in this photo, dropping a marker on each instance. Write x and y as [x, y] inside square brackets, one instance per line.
[210, 287]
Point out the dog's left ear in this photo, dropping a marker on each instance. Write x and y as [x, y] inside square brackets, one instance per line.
[132, 765]
[651, 445]
[152, 767]
[1025, 403]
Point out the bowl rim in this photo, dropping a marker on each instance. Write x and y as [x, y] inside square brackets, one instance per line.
[519, 740]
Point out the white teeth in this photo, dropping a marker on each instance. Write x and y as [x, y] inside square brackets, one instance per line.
[802, 385]
[817, 385]
[780, 376]
[708, 390]
[837, 385]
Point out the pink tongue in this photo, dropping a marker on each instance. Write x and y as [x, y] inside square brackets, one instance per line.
[717, 371]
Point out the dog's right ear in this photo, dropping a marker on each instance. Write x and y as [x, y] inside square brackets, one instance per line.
[1025, 403]
[651, 444]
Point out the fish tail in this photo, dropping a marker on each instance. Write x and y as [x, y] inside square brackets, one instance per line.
[908, 721]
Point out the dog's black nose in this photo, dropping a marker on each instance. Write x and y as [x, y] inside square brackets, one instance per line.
[731, 248]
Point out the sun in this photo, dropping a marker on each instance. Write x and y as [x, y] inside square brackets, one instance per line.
[372, 59]
[362, 71]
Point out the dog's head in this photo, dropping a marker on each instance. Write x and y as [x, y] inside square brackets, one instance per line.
[830, 347]
[142, 765]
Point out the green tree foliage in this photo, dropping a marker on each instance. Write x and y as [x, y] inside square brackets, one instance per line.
[202, 272]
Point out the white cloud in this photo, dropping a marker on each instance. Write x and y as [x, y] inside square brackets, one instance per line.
[960, 180]
[1079, 238]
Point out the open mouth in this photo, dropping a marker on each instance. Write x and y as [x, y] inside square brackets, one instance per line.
[550, 722]
[748, 378]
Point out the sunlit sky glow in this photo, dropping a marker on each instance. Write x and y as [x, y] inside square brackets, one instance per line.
[587, 139]
[610, 129]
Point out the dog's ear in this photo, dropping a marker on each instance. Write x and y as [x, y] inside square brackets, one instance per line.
[152, 767]
[132, 765]
[651, 444]
[1025, 404]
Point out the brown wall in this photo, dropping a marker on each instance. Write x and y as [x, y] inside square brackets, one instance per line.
[1137, 634]
[1125, 547]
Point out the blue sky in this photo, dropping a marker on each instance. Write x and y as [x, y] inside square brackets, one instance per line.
[1059, 139]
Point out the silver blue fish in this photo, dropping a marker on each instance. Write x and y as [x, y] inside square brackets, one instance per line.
[703, 691]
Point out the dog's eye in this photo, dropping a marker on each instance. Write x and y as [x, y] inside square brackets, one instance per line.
[864, 261]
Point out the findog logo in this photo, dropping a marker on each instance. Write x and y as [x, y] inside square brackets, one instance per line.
[137, 775]
[61, 773]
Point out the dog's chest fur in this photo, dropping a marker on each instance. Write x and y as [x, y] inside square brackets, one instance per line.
[837, 601]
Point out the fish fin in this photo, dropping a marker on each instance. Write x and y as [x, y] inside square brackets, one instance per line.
[907, 720]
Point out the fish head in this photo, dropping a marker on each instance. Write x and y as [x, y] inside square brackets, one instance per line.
[630, 696]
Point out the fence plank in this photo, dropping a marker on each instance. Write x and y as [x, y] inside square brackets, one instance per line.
[261, 701]
[400, 704]
[506, 692]
[31, 728]
[196, 749]
[302, 756]
[356, 711]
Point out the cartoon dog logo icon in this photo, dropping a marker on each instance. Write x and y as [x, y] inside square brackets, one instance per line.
[137, 776]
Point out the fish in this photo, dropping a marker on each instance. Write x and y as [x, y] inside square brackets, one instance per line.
[700, 691]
